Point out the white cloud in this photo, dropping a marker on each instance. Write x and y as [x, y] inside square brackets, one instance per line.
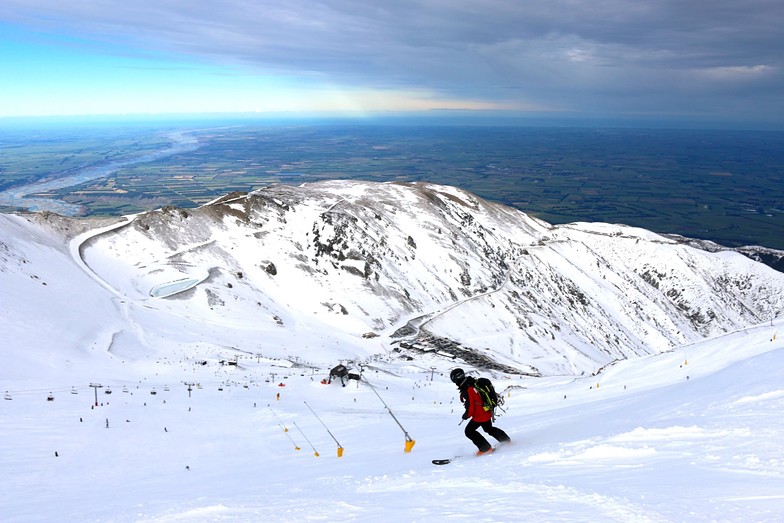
[739, 72]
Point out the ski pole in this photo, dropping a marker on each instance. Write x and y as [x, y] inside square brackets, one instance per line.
[409, 442]
[285, 430]
[340, 447]
[315, 452]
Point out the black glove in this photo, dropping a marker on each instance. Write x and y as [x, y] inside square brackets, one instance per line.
[465, 416]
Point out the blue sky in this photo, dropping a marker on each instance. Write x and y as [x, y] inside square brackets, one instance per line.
[671, 60]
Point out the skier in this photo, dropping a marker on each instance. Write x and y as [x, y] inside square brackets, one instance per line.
[479, 417]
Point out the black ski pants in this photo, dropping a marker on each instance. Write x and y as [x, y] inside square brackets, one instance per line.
[472, 433]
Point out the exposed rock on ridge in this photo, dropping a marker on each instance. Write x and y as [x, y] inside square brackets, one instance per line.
[362, 257]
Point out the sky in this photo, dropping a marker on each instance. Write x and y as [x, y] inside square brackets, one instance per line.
[678, 60]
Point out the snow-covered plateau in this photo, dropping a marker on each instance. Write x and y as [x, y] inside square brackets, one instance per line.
[170, 366]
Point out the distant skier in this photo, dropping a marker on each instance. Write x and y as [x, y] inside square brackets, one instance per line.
[479, 416]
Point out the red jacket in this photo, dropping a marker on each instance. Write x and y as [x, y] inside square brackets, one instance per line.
[473, 404]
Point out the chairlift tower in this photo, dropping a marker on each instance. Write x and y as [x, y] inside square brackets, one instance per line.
[95, 387]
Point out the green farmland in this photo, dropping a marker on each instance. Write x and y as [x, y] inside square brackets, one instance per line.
[724, 186]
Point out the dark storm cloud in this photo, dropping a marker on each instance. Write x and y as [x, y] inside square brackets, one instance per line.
[600, 56]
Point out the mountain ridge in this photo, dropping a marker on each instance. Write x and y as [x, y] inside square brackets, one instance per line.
[373, 267]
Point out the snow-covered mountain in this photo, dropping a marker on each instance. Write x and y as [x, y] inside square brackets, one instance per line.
[354, 269]
[117, 406]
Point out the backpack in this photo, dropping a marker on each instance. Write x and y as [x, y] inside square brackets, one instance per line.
[490, 399]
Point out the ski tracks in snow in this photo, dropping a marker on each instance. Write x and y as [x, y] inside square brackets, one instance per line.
[501, 498]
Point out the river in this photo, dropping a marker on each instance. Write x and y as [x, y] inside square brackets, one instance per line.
[20, 196]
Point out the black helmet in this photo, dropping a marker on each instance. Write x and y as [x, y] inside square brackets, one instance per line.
[457, 376]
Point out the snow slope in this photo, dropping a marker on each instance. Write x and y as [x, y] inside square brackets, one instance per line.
[688, 429]
[690, 435]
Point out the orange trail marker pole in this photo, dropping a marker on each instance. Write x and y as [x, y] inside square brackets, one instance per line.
[285, 430]
[315, 452]
[409, 442]
[340, 447]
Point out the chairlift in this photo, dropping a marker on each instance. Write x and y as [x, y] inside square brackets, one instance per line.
[7, 396]
[73, 390]
[153, 391]
[107, 391]
[220, 389]
[50, 397]
[125, 389]
[166, 388]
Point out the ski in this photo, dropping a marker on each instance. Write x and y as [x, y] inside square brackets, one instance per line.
[450, 460]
